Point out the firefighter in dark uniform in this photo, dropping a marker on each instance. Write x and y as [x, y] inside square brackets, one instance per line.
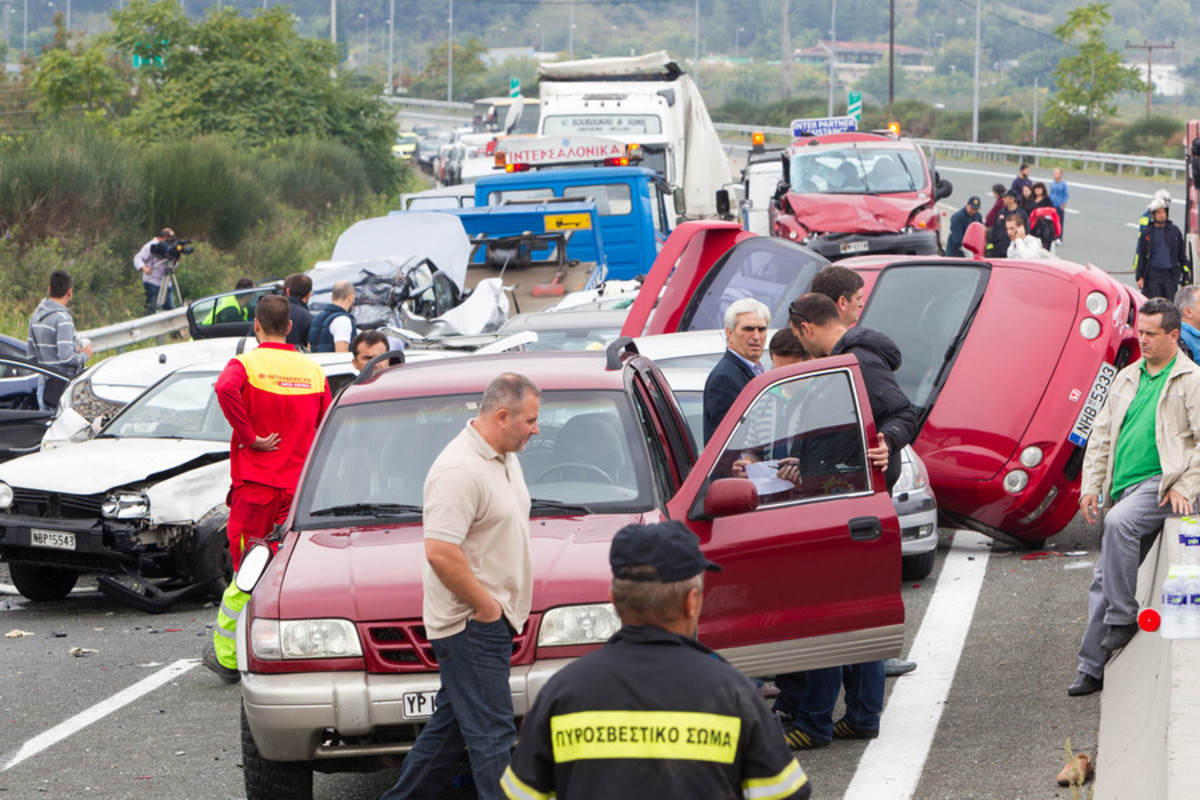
[653, 713]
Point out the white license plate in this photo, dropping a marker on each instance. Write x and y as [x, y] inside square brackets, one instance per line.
[419, 705]
[55, 539]
[856, 247]
[1092, 405]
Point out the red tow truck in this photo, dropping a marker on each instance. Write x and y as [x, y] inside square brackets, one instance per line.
[846, 192]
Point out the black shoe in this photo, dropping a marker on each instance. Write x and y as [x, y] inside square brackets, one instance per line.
[898, 666]
[1118, 636]
[800, 739]
[1085, 684]
[842, 729]
[220, 670]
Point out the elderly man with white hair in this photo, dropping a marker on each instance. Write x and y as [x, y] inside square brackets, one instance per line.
[746, 322]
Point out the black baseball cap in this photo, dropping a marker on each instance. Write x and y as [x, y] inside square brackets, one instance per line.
[973, 200]
[1012, 194]
[669, 548]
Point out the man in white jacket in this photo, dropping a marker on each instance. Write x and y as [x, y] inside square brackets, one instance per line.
[1021, 245]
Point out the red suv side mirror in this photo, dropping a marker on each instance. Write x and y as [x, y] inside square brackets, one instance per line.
[729, 496]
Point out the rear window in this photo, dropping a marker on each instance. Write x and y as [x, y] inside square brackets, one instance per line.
[515, 195]
[926, 311]
[611, 199]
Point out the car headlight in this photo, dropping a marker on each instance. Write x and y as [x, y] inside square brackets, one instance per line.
[272, 639]
[1031, 456]
[574, 625]
[912, 477]
[125, 505]
[1089, 328]
[1097, 303]
[1016, 481]
[6, 495]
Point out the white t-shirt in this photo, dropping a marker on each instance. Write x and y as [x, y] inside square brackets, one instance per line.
[341, 327]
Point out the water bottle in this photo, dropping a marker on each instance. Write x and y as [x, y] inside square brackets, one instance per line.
[1173, 605]
[1189, 542]
[1191, 611]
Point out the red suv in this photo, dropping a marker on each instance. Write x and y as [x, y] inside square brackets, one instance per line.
[337, 672]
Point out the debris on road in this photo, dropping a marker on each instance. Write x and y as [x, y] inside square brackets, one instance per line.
[17, 633]
[80, 652]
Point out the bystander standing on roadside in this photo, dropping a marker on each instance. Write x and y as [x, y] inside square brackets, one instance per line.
[333, 327]
[52, 341]
[844, 287]
[1022, 180]
[998, 192]
[1021, 245]
[998, 241]
[298, 288]
[1162, 262]
[959, 221]
[1142, 458]
[274, 399]
[367, 345]
[647, 685]
[1189, 330]
[1060, 193]
[746, 322]
[478, 583]
[154, 271]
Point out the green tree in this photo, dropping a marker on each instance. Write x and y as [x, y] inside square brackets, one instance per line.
[1089, 80]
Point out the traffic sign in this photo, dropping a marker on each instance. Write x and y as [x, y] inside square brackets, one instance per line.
[823, 125]
[854, 105]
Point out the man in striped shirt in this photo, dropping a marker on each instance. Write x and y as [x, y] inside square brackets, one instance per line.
[52, 340]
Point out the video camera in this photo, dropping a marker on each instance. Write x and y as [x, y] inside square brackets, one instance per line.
[172, 248]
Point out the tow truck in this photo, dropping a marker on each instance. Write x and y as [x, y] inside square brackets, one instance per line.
[846, 192]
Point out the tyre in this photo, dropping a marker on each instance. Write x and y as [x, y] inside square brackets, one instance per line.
[272, 780]
[209, 562]
[918, 567]
[42, 583]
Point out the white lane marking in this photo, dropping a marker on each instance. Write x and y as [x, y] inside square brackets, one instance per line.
[892, 764]
[1071, 184]
[97, 712]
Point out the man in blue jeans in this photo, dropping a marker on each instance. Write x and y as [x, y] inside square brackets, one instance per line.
[476, 513]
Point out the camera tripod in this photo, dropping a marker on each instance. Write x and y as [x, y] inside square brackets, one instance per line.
[169, 281]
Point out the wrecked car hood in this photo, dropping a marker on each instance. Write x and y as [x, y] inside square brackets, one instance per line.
[102, 464]
[860, 213]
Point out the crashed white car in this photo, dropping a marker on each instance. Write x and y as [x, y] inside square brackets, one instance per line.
[142, 504]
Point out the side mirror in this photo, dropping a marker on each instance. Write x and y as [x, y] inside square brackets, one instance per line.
[254, 564]
[680, 202]
[941, 187]
[729, 496]
[975, 240]
[723, 204]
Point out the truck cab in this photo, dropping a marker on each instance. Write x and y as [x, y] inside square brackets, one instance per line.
[847, 192]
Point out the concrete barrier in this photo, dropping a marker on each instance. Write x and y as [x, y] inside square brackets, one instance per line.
[1150, 710]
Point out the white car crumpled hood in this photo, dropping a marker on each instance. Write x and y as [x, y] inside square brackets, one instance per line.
[100, 464]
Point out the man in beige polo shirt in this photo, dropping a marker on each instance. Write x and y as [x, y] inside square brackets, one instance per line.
[478, 584]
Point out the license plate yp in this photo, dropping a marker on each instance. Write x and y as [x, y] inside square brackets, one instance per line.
[54, 539]
[419, 705]
[855, 247]
[1092, 405]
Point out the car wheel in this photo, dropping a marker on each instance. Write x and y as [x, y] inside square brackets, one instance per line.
[918, 567]
[209, 561]
[272, 780]
[1033, 544]
[42, 583]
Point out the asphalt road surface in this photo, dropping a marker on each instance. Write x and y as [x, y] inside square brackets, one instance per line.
[985, 715]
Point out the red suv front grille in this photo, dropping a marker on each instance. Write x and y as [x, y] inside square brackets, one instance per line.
[402, 646]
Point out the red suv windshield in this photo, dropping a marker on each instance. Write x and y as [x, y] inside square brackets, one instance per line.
[857, 170]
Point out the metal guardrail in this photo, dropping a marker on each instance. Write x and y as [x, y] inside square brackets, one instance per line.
[1007, 152]
[123, 334]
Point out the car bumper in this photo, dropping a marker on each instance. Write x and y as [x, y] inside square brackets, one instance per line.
[917, 511]
[835, 246]
[290, 714]
[100, 546]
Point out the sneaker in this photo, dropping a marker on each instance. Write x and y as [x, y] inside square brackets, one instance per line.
[223, 672]
[842, 729]
[895, 667]
[800, 739]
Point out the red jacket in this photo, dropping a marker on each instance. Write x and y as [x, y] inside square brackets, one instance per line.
[272, 389]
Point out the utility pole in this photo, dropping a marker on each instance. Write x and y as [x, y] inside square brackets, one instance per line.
[975, 104]
[391, 46]
[450, 57]
[696, 44]
[891, 54]
[1149, 47]
[832, 54]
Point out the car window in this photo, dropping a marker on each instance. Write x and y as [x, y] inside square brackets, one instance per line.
[774, 271]
[181, 406]
[662, 223]
[612, 200]
[378, 454]
[926, 311]
[857, 170]
[499, 198]
[810, 422]
[649, 434]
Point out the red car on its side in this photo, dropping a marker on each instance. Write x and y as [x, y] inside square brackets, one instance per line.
[1006, 362]
[337, 673]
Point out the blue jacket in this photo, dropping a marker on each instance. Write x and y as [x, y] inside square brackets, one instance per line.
[959, 221]
[724, 384]
[1192, 337]
[320, 338]
[1059, 193]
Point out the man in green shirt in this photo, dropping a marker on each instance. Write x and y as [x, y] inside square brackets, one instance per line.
[1144, 460]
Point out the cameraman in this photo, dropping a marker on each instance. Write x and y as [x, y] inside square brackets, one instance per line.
[154, 267]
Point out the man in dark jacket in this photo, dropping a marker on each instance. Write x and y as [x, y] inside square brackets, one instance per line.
[809, 697]
[298, 288]
[998, 241]
[1161, 257]
[746, 322]
[959, 221]
[333, 328]
[1021, 181]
